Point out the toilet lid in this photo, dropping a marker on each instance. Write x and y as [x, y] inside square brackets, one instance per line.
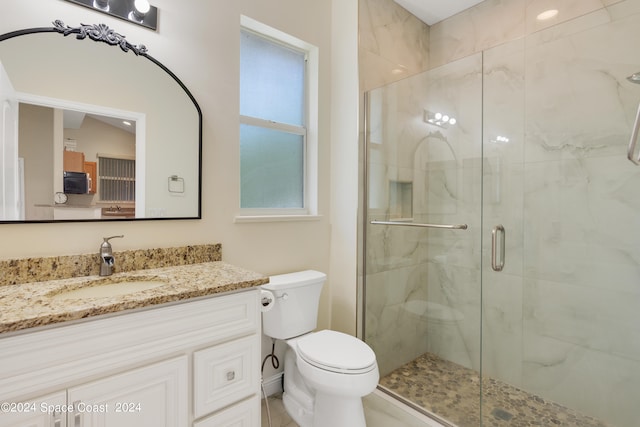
[335, 351]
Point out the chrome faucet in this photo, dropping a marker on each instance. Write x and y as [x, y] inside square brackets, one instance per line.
[106, 256]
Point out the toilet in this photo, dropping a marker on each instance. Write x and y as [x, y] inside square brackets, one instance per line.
[326, 373]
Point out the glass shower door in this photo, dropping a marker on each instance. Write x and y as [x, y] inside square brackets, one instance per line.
[560, 320]
[530, 314]
[423, 238]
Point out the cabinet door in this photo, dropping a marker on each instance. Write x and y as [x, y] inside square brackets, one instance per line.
[243, 414]
[45, 411]
[154, 396]
[73, 161]
[91, 168]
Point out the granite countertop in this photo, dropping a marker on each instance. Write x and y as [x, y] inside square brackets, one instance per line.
[34, 304]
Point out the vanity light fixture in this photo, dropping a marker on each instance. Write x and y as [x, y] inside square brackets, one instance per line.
[438, 119]
[136, 11]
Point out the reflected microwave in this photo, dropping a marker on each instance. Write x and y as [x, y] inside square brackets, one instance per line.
[76, 183]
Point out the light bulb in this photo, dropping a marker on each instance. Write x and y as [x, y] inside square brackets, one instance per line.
[452, 121]
[101, 4]
[445, 118]
[438, 116]
[142, 6]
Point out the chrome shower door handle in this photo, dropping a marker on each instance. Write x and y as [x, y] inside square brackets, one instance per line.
[631, 155]
[495, 264]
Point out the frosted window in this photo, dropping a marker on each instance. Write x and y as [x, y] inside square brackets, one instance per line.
[271, 168]
[271, 80]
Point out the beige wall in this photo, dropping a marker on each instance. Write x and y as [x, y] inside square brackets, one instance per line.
[36, 148]
[199, 41]
[344, 166]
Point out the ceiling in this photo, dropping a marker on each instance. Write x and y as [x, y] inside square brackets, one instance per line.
[74, 119]
[433, 11]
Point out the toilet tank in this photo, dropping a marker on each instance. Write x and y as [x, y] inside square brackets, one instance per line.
[295, 311]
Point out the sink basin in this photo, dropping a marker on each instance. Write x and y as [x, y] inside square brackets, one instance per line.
[111, 289]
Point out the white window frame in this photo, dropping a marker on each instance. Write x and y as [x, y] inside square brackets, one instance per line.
[309, 132]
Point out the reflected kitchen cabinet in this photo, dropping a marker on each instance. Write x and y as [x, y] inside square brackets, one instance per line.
[73, 161]
[91, 168]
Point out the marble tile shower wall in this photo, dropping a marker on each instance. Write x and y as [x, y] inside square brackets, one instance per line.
[393, 44]
[561, 319]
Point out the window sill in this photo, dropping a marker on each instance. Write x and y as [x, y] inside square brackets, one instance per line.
[240, 219]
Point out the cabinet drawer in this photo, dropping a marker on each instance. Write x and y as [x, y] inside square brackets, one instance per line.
[244, 414]
[225, 374]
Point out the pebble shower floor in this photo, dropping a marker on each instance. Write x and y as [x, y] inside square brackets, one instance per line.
[451, 391]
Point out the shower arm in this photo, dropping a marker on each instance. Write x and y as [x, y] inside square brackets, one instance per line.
[414, 224]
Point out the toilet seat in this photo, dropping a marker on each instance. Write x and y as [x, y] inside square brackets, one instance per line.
[336, 352]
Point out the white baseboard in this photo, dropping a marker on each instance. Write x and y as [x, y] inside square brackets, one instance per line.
[273, 385]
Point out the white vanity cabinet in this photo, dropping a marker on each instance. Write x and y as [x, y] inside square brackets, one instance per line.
[189, 364]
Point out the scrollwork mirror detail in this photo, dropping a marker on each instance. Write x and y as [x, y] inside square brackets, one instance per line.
[100, 33]
[94, 134]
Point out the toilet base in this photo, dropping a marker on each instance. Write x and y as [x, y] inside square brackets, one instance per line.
[338, 411]
[302, 415]
[298, 399]
[311, 408]
[334, 411]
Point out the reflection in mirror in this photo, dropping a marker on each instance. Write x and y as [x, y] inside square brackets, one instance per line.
[69, 154]
[90, 143]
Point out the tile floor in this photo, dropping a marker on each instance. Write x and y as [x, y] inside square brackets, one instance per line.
[279, 417]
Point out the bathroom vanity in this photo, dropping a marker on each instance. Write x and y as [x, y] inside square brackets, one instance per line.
[185, 353]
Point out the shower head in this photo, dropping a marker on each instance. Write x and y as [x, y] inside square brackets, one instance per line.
[634, 78]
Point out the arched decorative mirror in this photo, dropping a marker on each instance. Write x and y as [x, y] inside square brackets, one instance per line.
[94, 128]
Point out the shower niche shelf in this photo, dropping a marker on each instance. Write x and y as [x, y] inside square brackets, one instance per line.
[401, 200]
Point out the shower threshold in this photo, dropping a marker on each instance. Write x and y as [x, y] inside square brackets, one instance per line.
[451, 392]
